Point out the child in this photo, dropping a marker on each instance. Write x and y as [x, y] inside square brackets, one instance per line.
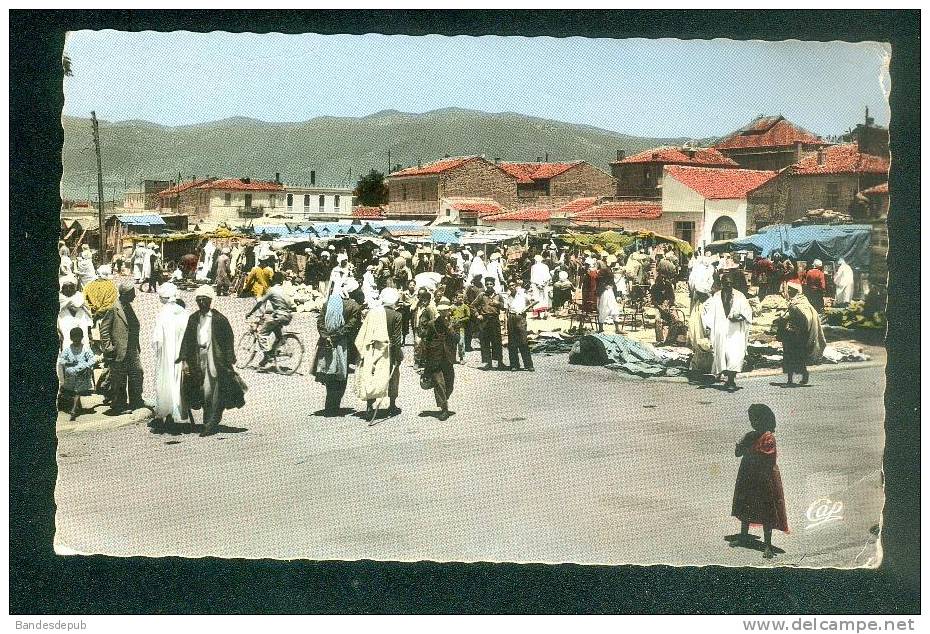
[758, 497]
[77, 361]
[461, 315]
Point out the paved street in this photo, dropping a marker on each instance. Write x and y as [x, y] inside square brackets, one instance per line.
[568, 464]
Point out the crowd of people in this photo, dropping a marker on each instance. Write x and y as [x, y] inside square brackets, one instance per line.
[373, 298]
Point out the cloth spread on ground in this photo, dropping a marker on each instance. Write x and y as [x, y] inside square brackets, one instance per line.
[617, 352]
[838, 353]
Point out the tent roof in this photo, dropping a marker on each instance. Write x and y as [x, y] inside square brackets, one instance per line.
[807, 242]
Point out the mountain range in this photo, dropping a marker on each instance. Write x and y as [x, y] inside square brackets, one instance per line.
[337, 149]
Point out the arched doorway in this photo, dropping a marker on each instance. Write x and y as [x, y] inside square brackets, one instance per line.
[724, 229]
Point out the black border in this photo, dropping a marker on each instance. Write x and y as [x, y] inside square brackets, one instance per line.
[42, 583]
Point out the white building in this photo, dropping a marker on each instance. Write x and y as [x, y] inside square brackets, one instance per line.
[316, 203]
[710, 202]
[234, 200]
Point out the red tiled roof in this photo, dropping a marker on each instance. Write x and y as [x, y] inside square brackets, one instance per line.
[579, 204]
[436, 167]
[679, 156]
[478, 207]
[717, 183]
[625, 210]
[239, 184]
[529, 172]
[841, 159]
[173, 191]
[522, 215]
[878, 189]
[370, 213]
[768, 132]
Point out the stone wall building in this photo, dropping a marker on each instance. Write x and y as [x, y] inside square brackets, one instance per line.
[640, 176]
[769, 143]
[553, 184]
[416, 192]
[878, 200]
[833, 178]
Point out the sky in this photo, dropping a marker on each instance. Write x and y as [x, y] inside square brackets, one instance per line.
[662, 88]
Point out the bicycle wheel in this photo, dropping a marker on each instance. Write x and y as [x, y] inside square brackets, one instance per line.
[246, 350]
[289, 355]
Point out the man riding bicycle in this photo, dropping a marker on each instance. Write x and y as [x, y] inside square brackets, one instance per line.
[278, 308]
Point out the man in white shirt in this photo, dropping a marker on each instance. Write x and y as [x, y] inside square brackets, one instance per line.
[518, 303]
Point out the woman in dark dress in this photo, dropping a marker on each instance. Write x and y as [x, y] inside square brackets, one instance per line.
[589, 290]
[758, 497]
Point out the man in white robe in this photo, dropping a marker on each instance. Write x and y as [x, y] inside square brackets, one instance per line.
[541, 279]
[374, 352]
[206, 263]
[727, 317]
[138, 259]
[843, 279]
[476, 267]
[496, 271]
[167, 334]
[701, 278]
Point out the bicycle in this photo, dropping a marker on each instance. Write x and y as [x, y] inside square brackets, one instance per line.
[287, 352]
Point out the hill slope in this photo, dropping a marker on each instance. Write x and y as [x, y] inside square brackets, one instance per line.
[331, 146]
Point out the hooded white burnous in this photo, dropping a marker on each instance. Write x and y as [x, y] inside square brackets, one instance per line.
[496, 270]
[206, 264]
[843, 279]
[476, 267]
[167, 334]
[138, 258]
[728, 338]
[374, 351]
[540, 278]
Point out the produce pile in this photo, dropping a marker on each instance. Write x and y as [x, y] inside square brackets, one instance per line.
[854, 316]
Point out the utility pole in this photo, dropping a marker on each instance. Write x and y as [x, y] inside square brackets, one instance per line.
[102, 228]
[389, 163]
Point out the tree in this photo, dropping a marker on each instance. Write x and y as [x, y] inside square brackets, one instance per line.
[370, 191]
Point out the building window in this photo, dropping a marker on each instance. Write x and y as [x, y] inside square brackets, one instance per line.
[403, 192]
[685, 231]
[336, 202]
[248, 201]
[290, 200]
[227, 199]
[306, 201]
[322, 202]
[272, 201]
[724, 229]
[833, 196]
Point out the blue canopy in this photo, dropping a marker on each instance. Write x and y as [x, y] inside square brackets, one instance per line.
[142, 220]
[807, 242]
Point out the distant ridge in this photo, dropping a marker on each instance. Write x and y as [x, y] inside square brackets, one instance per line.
[337, 149]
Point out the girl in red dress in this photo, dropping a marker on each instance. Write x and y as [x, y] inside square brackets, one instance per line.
[758, 497]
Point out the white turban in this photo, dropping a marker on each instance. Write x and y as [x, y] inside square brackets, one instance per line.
[495, 256]
[342, 257]
[817, 263]
[563, 275]
[538, 258]
[389, 297]
[205, 291]
[104, 271]
[67, 279]
[167, 291]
